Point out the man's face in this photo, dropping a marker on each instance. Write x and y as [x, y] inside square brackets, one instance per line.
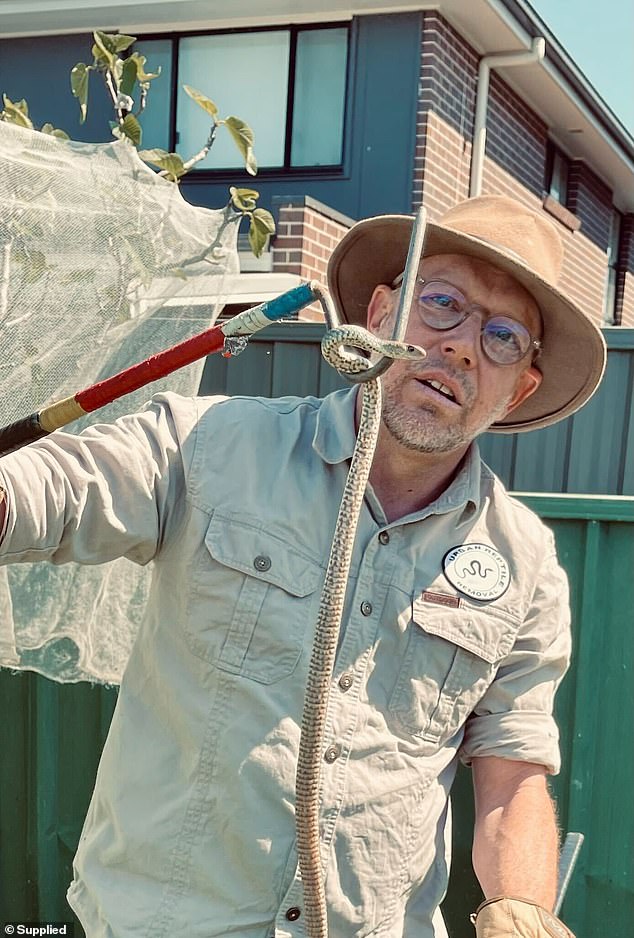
[425, 419]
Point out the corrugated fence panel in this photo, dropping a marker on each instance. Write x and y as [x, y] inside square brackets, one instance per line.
[590, 452]
[541, 459]
[596, 707]
[595, 712]
[51, 736]
[599, 432]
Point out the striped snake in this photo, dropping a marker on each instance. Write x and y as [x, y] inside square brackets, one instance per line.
[336, 350]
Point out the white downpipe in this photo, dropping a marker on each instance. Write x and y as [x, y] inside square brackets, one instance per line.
[497, 60]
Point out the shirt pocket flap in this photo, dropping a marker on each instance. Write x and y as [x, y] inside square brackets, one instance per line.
[245, 546]
[487, 633]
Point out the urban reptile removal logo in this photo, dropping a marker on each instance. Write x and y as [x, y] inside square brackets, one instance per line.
[477, 570]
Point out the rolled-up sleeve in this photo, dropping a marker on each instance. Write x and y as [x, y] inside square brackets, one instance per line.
[108, 492]
[514, 719]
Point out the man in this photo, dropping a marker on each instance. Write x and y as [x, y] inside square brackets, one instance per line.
[454, 636]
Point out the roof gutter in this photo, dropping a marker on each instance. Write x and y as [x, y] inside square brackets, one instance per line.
[487, 63]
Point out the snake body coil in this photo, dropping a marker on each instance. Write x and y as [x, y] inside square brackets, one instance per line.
[335, 349]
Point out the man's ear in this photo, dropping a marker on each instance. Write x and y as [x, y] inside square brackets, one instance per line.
[527, 384]
[380, 307]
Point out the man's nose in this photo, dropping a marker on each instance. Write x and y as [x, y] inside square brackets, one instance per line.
[461, 343]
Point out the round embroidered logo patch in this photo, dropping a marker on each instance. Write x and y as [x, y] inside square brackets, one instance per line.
[477, 570]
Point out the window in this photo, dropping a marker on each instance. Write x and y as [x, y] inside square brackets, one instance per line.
[289, 85]
[156, 120]
[610, 312]
[557, 165]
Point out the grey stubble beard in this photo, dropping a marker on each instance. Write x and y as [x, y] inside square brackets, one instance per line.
[431, 435]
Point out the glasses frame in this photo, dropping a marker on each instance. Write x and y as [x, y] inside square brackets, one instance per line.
[535, 346]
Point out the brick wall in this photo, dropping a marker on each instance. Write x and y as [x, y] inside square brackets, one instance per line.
[445, 112]
[514, 162]
[516, 136]
[591, 201]
[307, 233]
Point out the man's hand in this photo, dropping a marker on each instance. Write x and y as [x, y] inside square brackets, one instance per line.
[506, 917]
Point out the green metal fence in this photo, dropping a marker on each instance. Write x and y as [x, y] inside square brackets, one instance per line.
[591, 452]
[51, 736]
[595, 712]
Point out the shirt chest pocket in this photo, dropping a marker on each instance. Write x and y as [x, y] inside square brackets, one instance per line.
[451, 658]
[253, 597]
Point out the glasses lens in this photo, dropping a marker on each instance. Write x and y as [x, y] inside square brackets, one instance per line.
[441, 305]
[505, 341]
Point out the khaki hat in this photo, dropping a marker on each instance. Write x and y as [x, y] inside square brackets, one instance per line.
[516, 240]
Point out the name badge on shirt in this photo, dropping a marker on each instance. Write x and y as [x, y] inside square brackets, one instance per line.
[477, 570]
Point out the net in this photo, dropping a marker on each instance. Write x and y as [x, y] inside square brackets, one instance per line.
[102, 263]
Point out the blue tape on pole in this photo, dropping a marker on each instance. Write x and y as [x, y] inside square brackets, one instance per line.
[289, 302]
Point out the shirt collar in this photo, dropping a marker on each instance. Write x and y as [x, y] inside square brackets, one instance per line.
[335, 437]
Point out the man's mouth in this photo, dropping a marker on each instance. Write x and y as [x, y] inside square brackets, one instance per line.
[440, 388]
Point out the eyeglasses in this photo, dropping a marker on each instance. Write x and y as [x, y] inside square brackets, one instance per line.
[442, 306]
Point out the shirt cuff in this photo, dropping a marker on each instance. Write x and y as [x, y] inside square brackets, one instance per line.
[522, 736]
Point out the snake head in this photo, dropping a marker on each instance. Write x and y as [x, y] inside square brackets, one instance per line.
[403, 350]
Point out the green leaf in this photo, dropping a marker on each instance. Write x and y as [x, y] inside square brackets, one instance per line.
[201, 100]
[243, 137]
[35, 268]
[170, 163]
[21, 106]
[128, 76]
[79, 276]
[103, 55]
[261, 228]
[79, 87]
[54, 132]
[130, 128]
[111, 44]
[121, 42]
[243, 199]
[16, 112]
[142, 75]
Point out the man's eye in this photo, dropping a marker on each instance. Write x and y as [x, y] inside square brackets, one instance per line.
[441, 301]
[502, 335]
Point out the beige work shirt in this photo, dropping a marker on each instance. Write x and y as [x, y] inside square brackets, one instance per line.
[190, 831]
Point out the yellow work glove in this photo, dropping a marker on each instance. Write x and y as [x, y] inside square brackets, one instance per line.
[507, 917]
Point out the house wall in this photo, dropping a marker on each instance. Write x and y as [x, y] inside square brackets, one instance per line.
[409, 126]
[515, 161]
[307, 233]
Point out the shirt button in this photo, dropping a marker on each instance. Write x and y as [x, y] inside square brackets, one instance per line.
[262, 563]
[384, 537]
[332, 753]
[366, 608]
[345, 682]
[293, 913]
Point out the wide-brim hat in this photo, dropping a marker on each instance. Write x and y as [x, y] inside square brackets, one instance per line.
[514, 239]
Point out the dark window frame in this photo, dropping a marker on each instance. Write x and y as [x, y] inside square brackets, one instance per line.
[553, 153]
[219, 174]
[615, 272]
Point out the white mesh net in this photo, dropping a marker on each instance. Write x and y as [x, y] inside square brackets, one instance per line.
[102, 263]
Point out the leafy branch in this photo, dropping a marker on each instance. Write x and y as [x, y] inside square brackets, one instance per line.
[128, 84]
[122, 76]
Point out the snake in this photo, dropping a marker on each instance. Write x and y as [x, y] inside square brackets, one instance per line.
[338, 348]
